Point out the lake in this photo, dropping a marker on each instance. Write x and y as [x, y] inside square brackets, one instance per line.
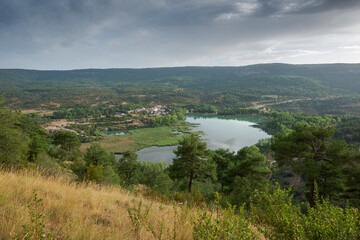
[229, 132]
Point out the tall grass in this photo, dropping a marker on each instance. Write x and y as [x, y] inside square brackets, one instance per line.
[91, 211]
[65, 208]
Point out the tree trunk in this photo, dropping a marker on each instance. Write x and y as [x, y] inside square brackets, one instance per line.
[312, 192]
[190, 181]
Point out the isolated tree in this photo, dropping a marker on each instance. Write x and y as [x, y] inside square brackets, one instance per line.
[193, 159]
[67, 140]
[98, 155]
[311, 152]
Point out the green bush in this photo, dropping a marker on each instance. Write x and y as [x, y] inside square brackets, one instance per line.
[273, 210]
[94, 173]
[327, 221]
[225, 225]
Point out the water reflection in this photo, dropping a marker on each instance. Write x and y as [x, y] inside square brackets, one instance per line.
[229, 132]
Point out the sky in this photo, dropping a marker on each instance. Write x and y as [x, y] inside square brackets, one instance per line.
[74, 34]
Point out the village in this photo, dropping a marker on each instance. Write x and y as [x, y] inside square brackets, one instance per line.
[138, 117]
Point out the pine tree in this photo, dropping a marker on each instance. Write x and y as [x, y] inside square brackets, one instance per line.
[193, 159]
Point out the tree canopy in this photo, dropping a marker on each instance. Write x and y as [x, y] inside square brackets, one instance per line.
[14, 142]
[193, 159]
[67, 140]
[311, 152]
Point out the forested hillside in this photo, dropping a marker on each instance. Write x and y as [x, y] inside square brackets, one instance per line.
[220, 86]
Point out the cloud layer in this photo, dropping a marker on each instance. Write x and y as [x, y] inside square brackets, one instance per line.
[68, 34]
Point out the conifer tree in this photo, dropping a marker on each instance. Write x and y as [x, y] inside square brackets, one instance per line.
[311, 152]
[193, 159]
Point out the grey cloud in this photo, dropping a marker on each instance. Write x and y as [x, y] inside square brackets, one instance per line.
[154, 32]
[145, 13]
[286, 7]
[327, 5]
[8, 13]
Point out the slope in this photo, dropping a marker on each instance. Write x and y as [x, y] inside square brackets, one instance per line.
[92, 211]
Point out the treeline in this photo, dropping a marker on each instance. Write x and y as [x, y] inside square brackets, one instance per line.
[201, 108]
[338, 106]
[281, 121]
[345, 127]
[86, 111]
[219, 86]
[233, 109]
[77, 113]
[239, 110]
[168, 119]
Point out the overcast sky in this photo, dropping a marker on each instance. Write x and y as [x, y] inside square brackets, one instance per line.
[72, 34]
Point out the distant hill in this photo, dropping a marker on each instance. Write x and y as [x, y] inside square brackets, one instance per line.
[214, 85]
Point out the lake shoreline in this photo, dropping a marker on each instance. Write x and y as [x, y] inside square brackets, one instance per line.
[169, 136]
[228, 132]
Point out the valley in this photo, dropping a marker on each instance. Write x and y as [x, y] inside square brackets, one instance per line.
[265, 138]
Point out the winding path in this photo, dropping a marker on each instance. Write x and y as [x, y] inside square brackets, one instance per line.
[291, 100]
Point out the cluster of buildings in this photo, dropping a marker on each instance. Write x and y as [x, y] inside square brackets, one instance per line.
[147, 114]
[157, 110]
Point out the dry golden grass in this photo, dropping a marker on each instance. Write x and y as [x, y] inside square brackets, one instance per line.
[93, 211]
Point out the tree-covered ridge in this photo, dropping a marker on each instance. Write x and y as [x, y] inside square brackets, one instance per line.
[346, 105]
[220, 86]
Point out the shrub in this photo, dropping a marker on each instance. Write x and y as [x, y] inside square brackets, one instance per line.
[273, 209]
[280, 219]
[36, 228]
[225, 225]
[327, 221]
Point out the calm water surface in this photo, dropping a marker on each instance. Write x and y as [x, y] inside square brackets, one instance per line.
[231, 133]
[157, 154]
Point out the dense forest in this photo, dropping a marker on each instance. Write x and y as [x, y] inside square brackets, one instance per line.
[219, 86]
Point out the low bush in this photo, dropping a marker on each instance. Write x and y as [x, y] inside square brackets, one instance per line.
[226, 224]
[273, 210]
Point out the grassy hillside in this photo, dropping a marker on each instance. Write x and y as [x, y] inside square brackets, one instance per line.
[216, 85]
[89, 211]
[92, 211]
